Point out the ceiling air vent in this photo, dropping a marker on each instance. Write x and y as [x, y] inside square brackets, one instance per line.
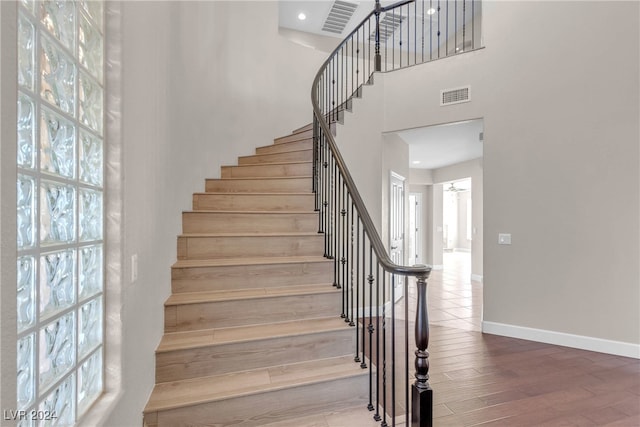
[388, 25]
[339, 16]
[455, 96]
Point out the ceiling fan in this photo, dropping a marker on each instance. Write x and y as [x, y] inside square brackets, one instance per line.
[453, 188]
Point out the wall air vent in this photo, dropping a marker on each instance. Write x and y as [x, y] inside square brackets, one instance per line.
[339, 16]
[455, 96]
[389, 23]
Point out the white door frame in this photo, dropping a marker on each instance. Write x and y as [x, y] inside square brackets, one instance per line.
[415, 235]
[397, 230]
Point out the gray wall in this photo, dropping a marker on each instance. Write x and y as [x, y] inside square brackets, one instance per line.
[8, 117]
[560, 108]
[202, 83]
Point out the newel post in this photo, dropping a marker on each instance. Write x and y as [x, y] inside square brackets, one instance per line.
[378, 57]
[421, 392]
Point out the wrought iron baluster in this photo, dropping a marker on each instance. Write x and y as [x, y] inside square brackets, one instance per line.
[393, 348]
[446, 38]
[406, 349]
[377, 290]
[464, 23]
[378, 65]
[473, 24]
[400, 37]
[438, 29]
[357, 295]
[455, 26]
[363, 364]
[393, 42]
[415, 33]
[350, 258]
[348, 239]
[371, 328]
[383, 344]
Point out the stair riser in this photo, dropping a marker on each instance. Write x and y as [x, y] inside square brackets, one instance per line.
[263, 408]
[192, 247]
[267, 171]
[222, 359]
[292, 156]
[249, 276]
[303, 128]
[304, 144]
[274, 185]
[205, 222]
[295, 137]
[222, 314]
[254, 202]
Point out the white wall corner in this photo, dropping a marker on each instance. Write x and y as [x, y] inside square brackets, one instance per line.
[582, 342]
[476, 278]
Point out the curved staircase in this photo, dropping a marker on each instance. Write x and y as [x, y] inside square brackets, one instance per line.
[253, 334]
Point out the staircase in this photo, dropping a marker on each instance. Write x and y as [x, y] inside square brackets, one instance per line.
[253, 333]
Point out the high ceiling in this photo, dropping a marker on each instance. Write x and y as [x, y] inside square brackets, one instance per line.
[429, 147]
[316, 13]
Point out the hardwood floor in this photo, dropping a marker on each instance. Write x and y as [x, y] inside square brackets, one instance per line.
[488, 380]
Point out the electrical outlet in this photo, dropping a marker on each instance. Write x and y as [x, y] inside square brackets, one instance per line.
[504, 239]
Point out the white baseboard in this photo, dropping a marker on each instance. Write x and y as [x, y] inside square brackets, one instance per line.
[476, 278]
[464, 250]
[599, 345]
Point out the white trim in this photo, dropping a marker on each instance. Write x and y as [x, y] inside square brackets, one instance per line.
[476, 278]
[600, 345]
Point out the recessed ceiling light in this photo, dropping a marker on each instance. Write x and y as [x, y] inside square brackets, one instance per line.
[416, 162]
[302, 16]
[431, 11]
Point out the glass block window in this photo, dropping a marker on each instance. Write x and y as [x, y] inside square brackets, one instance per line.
[60, 199]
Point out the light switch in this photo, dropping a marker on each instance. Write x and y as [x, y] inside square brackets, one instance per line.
[134, 268]
[504, 239]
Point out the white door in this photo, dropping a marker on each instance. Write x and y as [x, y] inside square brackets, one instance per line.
[396, 227]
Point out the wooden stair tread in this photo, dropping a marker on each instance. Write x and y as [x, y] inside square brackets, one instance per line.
[272, 234]
[248, 193]
[195, 391]
[275, 163]
[262, 212]
[238, 294]
[300, 135]
[207, 337]
[185, 263]
[265, 178]
[292, 151]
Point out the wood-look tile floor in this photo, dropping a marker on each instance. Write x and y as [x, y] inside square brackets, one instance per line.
[488, 380]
